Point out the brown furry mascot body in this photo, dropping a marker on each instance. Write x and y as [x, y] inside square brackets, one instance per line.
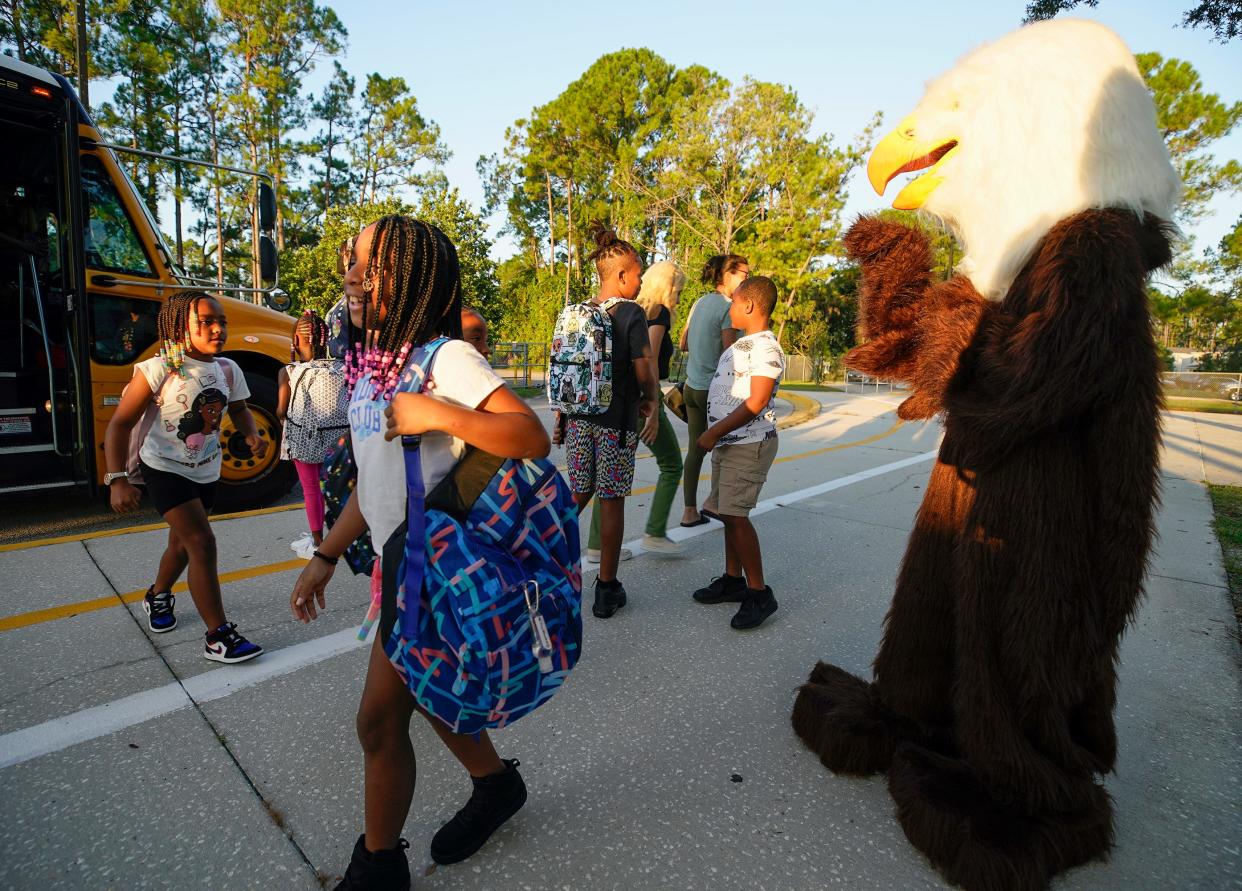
[991, 708]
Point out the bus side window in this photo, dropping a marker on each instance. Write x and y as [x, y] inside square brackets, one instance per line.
[122, 328]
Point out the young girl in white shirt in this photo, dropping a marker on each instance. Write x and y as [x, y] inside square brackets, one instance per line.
[193, 385]
[408, 270]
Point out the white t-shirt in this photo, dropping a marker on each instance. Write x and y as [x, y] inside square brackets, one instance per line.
[755, 355]
[459, 376]
[185, 438]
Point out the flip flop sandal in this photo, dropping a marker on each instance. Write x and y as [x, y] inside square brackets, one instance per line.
[702, 520]
[711, 515]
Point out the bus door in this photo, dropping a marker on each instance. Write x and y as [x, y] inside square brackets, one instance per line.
[41, 431]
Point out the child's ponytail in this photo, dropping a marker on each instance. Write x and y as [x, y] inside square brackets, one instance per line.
[317, 330]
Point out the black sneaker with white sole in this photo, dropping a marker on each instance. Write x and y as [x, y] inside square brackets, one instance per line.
[226, 645]
[159, 610]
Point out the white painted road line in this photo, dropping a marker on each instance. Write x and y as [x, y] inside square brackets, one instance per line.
[680, 533]
[92, 723]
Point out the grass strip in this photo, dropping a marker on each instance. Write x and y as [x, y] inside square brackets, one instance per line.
[1212, 406]
[1227, 507]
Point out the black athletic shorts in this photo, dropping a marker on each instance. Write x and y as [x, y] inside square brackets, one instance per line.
[168, 490]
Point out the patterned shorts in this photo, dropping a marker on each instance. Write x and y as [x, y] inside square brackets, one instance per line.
[599, 460]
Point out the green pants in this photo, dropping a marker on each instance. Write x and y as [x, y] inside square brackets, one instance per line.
[668, 458]
[696, 418]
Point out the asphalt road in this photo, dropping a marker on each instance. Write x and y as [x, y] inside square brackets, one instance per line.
[128, 761]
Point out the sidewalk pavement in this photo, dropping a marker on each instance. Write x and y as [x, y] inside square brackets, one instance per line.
[1216, 438]
[666, 762]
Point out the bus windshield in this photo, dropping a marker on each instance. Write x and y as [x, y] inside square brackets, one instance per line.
[111, 243]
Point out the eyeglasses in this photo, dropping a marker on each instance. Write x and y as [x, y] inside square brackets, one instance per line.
[345, 256]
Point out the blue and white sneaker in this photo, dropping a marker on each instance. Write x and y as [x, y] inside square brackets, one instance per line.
[226, 645]
[159, 610]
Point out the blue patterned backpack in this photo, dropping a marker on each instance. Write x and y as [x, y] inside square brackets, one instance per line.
[481, 610]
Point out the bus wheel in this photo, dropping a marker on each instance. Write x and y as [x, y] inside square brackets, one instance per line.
[246, 480]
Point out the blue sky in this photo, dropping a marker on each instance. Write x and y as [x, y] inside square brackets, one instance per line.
[477, 67]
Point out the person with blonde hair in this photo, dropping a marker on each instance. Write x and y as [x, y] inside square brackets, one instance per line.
[658, 296]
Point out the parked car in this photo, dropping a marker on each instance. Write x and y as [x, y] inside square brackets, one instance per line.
[1233, 390]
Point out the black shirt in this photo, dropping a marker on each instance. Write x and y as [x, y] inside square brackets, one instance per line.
[629, 341]
[665, 359]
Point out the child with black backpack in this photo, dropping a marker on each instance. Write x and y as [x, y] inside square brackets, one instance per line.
[409, 272]
[600, 383]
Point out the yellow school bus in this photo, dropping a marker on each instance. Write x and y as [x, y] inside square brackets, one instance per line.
[83, 273]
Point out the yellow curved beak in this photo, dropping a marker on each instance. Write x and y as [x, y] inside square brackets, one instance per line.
[905, 150]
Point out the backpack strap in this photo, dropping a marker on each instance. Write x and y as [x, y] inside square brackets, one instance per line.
[415, 502]
[140, 431]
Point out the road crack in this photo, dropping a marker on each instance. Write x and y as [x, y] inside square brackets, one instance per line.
[269, 808]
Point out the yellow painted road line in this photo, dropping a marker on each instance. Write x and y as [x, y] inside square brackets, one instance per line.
[800, 414]
[148, 527]
[35, 617]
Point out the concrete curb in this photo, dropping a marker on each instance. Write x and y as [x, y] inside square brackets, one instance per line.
[804, 407]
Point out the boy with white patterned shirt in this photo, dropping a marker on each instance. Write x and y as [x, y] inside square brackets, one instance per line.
[742, 438]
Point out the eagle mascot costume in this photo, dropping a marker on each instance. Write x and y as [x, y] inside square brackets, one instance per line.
[991, 708]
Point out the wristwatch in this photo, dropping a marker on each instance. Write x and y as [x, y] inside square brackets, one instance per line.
[120, 474]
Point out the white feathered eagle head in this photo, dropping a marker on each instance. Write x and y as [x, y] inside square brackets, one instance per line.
[1048, 121]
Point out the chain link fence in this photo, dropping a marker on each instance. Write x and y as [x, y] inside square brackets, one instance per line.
[1206, 388]
[521, 364]
[525, 364]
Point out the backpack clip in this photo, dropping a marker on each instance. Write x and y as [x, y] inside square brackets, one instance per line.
[541, 641]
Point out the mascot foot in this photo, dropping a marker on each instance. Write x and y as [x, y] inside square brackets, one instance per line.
[981, 844]
[840, 718]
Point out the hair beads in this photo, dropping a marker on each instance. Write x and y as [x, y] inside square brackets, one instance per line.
[414, 269]
[318, 336]
[173, 326]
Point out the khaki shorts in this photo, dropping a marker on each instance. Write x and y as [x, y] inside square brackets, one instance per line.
[738, 473]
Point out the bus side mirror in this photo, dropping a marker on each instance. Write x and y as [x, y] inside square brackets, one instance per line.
[278, 300]
[267, 207]
[268, 263]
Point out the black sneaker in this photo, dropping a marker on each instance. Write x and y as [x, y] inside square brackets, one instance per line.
[379, 871]
[723, 589]
[495, 799]
[755, 609]
[609, 597]
[226, 645]
[159, 610]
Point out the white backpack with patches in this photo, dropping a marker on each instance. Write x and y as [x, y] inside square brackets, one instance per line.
[580, 360]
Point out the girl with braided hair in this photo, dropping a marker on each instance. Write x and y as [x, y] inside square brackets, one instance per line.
[191, 385]
[408, 271]
[312, 403]
[347, 320]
